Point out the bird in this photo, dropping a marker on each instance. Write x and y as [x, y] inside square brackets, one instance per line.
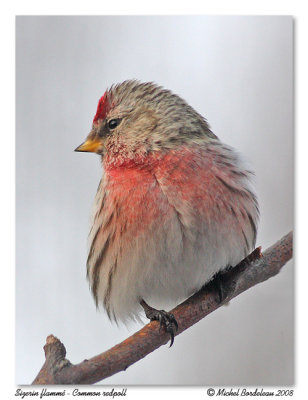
[174, 208]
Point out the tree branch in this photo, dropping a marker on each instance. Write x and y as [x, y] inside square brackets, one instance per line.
[254, 269]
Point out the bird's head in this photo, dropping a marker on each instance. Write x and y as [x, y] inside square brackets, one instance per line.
[134, 119]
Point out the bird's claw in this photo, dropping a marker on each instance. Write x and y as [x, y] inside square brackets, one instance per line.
[223, 288]
[168, 321]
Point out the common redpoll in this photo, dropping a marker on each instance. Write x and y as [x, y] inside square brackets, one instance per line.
[175, 205]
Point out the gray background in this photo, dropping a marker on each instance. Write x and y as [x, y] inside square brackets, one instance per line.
[238, 73]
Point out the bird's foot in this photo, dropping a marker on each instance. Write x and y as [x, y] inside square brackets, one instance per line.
[165, 319]
[219, 284]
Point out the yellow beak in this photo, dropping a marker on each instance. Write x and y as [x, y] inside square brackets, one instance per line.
[91, 145]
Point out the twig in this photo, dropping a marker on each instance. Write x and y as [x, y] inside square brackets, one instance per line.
[254, 269]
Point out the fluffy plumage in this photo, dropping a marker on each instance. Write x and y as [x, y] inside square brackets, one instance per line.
[174, 206]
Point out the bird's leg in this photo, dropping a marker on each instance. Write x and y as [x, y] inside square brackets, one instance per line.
[219, 280]
[166, 319]
[220, 286]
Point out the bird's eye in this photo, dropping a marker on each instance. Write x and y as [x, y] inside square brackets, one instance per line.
[113, 123]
